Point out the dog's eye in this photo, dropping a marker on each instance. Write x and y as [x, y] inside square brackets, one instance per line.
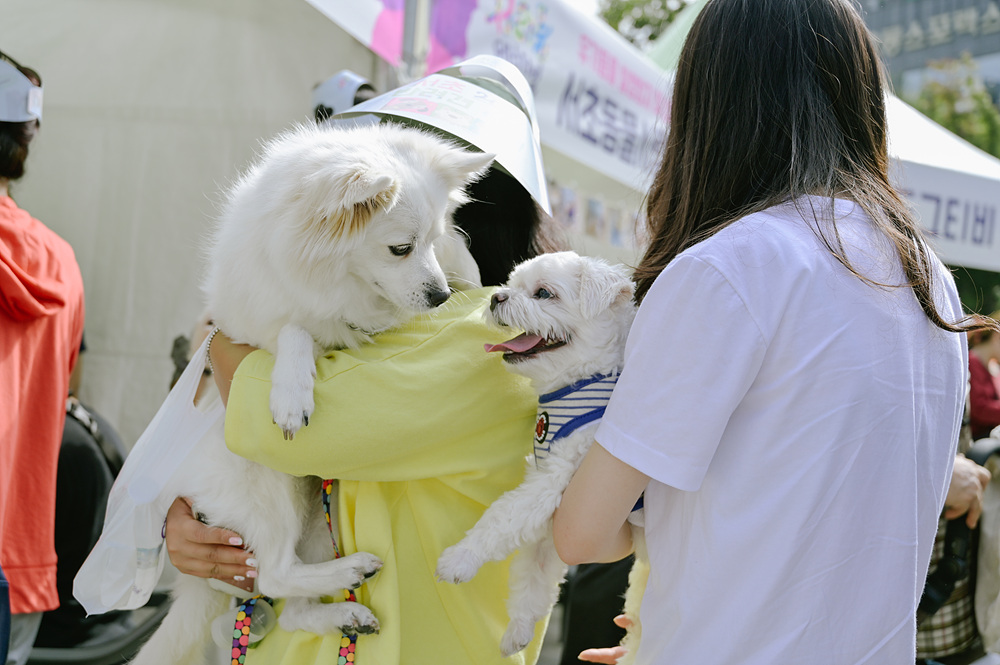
[400, 250]
[542, 294]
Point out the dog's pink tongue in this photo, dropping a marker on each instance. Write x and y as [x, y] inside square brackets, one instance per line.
[519, 344]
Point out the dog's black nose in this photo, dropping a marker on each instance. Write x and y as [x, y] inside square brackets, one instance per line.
[496, 300]
[436, 298]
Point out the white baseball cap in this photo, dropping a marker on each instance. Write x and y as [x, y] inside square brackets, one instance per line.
[485, 102]
[20, 99]
[337, 92]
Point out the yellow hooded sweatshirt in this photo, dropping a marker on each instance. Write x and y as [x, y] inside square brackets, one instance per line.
[424, 430]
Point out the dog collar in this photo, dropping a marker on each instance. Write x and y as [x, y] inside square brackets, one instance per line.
[562, 412]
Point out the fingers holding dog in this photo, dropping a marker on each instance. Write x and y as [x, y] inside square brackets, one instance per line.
[197, 549]
[965, 493]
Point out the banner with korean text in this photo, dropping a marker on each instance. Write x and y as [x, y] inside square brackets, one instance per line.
[953, 187]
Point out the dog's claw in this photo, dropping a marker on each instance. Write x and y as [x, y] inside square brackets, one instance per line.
[364, 625]
[305, 419]
[365, 577]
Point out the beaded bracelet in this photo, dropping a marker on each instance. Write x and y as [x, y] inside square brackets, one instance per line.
[208, 348]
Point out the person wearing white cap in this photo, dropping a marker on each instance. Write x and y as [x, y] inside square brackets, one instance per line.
[339, 93]
[423, 430]
[41, 325]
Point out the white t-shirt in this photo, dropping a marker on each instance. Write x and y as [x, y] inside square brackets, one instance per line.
[799, 427]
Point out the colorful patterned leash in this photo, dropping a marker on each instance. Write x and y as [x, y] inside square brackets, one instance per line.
[348, 643]
[241, 630]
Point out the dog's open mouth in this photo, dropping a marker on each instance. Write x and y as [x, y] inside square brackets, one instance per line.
[524, 346]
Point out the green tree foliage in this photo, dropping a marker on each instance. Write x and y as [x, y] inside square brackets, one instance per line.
[640, 21]
[954, 96]
[978, 289]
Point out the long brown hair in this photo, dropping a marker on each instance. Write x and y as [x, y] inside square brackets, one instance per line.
[775, 99]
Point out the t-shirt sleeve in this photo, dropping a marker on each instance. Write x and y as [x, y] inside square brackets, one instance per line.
[692, 354]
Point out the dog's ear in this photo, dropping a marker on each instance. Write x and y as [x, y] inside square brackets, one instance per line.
[602, 286]
[364, 194]
[460, 167]
[358, 193]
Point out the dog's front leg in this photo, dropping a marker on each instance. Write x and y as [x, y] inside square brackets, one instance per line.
[293, 379]
[287, 576]
[535, 575]
[522, 515]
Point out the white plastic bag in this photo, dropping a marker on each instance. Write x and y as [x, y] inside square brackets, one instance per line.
[125, 564]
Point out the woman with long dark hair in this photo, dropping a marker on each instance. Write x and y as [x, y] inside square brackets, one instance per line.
[794, 381]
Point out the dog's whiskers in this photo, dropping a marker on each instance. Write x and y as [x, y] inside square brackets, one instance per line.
[467, 283]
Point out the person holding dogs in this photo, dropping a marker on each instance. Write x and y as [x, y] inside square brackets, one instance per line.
[423, 430]
[794, 381]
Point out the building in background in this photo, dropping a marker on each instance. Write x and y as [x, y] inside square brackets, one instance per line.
[915, 32]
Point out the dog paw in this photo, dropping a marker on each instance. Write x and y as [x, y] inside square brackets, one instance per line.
[359, 620]
[291, 406]
[363, 565]
[516, 637]
[457, 564]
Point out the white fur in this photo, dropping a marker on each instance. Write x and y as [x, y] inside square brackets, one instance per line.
[302, 261]
[591, 309]
[304, 242]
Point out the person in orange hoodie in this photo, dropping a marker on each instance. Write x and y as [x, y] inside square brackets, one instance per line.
[41, 325]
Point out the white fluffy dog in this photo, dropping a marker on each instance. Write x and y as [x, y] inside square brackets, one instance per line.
[576, 312]
[327, 239]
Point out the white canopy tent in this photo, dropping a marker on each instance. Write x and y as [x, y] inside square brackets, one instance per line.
[954, 186]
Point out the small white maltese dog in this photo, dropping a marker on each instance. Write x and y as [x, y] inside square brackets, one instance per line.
[576, 312]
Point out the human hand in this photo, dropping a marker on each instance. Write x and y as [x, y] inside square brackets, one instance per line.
[608, 655]
[965, 493]
[204, 551]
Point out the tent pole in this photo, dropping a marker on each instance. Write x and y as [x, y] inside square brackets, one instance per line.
[416, 28]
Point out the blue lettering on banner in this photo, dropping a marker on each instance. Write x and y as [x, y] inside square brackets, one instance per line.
[599, 120]
[962, 221]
